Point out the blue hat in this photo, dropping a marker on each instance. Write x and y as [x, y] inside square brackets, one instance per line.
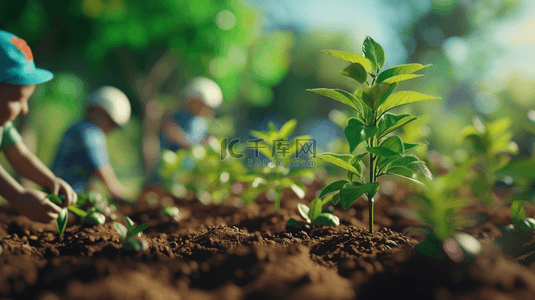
[16, 62]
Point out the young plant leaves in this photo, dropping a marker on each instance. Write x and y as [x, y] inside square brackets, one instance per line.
[394, 144]
[399, 70]
[352, 58]
[390, 122]
[341, 160]
[373, 95]
[95, 218]
[134, 230]
[518, 213]
[315, 209]
[352, 191]
[121, 229]
[287, 129]
[326, 219]
[61, 221]
[341, 96]
[405, 97]
[374, 53]
[298, 190]
[401, 171]
[400, 78]
[357, 132]
[303, 211]
[355, 71]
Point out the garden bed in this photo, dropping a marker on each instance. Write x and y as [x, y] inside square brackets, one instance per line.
[226, 252]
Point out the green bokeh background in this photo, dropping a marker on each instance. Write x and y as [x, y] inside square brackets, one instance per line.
[264, 65]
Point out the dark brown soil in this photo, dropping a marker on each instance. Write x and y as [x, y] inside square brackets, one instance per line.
[226, 252]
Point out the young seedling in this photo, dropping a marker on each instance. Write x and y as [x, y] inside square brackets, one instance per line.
[439, 209]
[171, 211]
[92, 216]
[131, 235]
[202, 170]
[280, 150]
[314, 215]
[373, 123]
[493, 147]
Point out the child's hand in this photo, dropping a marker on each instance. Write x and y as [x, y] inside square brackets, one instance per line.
[34, 205]
[59, 186]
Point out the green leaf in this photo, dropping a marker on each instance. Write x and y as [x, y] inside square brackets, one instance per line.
[294, 222]
[355, 162]
[400, 78]
[327, 219]
[399, 70]
[352, 191]
[95, 218]
[394, 144]
[518, 213]
[387, 94]
[129, 222]
[134, 230]
[77, 211]
[390, 122]
[170, 211]
[405, 97]
[401, 171]
[82, 199]
[303, 211]
[332, 187]
[409, 146]
[374, 53]
[121, 229]
[272, 127]
[382, 152]
[315, 209]
[287, 129]
[357, 132]
[341, 96]
[341, 160]
[298, 191]
[372, 96]
[352, 58]
[61, 221]
[333, 199]
[55, 199]
[405, 161]
[133, 243]
[355, 71]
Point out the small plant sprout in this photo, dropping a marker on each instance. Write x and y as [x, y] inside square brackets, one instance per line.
[314, 214]
[92, 216]
[278, 174]
[131, 235]
[439, 209]
[493, 147]
[171, 211]
[373, 123]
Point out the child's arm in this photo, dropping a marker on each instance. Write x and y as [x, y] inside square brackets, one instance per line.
[29, 202]
[175, 133]
[29, 166]
[108, 177]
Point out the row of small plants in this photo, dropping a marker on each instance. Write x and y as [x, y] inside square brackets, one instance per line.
[98, 209]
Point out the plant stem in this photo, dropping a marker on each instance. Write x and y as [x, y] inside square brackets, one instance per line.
[372, 179]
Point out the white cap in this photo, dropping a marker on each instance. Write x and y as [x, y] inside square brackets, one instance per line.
[205, 89]
[112, 101]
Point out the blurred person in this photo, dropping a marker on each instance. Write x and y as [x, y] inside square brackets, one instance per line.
[82, 152]
[18, 78]
[184, 128]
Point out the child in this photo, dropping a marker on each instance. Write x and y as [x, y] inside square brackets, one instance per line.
[185, 128]
[82, 151]
[18, 77]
